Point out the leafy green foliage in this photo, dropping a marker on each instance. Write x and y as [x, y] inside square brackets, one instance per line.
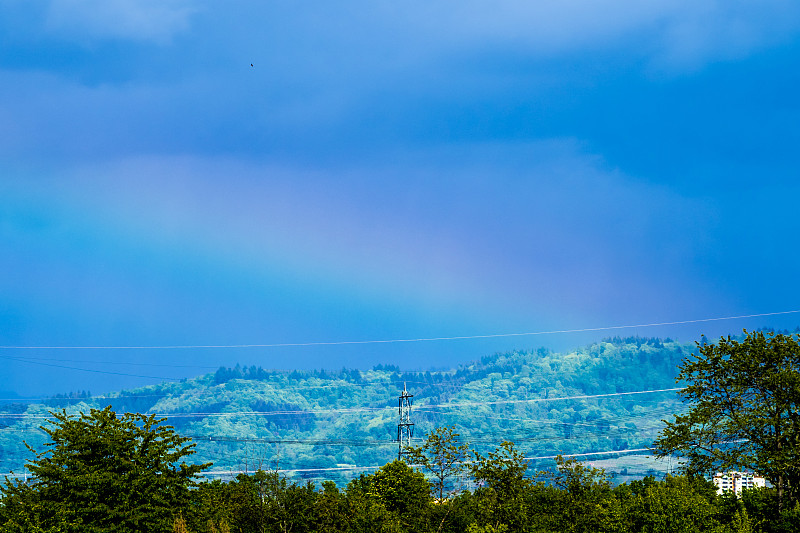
[394, 492]
[102, 472]
[246, 417]
[572, 497]
[744, 413]
[502, 487]
[677, 503]
[577, 498]
[332, 510]
[581, 499]
[442, 456]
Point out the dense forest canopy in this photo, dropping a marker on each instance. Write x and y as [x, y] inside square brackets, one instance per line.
[102, 472]
[474, 468]
[320, 423]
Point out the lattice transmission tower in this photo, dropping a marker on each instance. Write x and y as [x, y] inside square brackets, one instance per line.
[405, 428]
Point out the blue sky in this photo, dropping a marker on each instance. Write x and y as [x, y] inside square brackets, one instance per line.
[386, 170]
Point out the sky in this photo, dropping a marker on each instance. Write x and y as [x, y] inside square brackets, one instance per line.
[177, 173]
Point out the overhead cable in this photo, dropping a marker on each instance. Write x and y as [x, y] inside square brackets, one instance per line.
[371, 409]
[388, 341]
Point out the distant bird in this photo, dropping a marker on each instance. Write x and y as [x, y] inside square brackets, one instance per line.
[251, 64]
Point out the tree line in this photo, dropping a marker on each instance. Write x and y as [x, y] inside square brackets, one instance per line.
[101, 472]
[205, 406]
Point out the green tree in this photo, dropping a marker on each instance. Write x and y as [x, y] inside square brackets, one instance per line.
[503, 486]
[580, 497]
[210, 508]
[331, 509]
[261, 502]
[676, 505]
[744, 410]
[103, 473]
[395, 497]
[442, 456]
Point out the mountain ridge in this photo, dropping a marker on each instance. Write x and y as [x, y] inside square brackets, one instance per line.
[247, 417]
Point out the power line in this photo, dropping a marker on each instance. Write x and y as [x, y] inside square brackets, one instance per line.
[611, 452]
[209, 473]
[536, 400]
[126, 363]
[664, 411]
[307, 442]
[517, 436]
[346, 410]
[22, 360]
[279, 386]
[388, 341]
[375, 467]
[475, 438]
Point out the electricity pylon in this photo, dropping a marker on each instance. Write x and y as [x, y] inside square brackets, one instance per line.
[405, 429]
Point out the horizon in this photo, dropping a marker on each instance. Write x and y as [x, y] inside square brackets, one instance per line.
[11, 395]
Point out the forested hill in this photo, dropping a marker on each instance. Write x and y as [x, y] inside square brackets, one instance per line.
[321, 423]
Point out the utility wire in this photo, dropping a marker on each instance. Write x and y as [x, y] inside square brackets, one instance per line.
[478, 438]
[22, 360]
[370, 409]
[375, 467]
[211, 473]
[664, 411]
[277, 385]
[337, 382]
[610, 452]
[125, 363]
[388, 341]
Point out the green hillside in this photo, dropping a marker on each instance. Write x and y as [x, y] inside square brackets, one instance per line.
[250, 418]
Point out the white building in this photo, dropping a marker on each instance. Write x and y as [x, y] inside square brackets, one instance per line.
[737, 481]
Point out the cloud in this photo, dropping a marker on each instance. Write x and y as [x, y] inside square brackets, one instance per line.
[140, 20]
[714, 30]
[672, 33]
[531, 227]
